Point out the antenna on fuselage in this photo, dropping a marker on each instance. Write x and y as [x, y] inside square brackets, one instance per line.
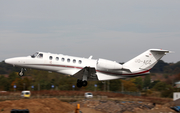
[90, 57]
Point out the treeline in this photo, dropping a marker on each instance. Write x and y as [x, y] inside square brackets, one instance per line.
[163, 67]
[44, 80]
[160, 67]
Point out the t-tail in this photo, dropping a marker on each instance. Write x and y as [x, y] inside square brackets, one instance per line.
[145, 61]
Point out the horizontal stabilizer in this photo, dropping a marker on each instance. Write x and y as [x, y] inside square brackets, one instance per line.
[159, 50]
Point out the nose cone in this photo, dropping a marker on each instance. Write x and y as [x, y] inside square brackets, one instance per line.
[10, 61]
[18, 61]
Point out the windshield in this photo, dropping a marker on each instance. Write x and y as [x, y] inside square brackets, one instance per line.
[89, 93]
[27, 93]
[34, 55]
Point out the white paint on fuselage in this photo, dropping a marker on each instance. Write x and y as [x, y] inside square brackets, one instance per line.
[65, 64]
[105, 69]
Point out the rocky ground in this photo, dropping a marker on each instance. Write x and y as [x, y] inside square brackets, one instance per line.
[48, 105]
[54, 105]
[114, 106]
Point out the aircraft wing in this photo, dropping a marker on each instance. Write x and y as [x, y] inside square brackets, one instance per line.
[90, 72]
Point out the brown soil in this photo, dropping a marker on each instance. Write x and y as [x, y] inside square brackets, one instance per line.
[115, 106]
[48, 105]
[54, 105]
[89, 110]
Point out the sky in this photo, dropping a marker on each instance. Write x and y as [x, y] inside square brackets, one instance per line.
[117, 30]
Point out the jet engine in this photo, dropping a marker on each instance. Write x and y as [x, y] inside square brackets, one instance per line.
[104, 64]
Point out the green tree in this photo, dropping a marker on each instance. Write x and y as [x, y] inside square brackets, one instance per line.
[147, 81]
[26, 83]
[167, 93]
[13, 76]
[159, 67]
[115, 85]
[129, 85]
[160, 86]
[19, 84]
[4, 83]
[139, 82]
[100, 85]
[153, 84]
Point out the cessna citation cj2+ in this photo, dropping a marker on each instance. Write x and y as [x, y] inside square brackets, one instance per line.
[86, 69]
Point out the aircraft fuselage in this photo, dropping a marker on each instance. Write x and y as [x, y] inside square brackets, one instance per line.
[85, 69]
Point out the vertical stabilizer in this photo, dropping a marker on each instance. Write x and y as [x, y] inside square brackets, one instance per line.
[145, 61]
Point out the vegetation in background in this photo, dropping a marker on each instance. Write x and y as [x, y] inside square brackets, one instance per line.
[43, 80]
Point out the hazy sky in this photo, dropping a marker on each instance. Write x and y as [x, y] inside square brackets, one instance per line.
[112, 29]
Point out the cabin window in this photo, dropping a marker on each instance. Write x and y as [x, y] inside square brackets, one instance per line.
[74, 61]
[80, 61]
[63, 59]
[68, 60]
[50, 57]
[57, 58]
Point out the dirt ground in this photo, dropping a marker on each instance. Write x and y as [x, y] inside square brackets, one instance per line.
[89, 110]
[116, 106]
[54, 105]
[48, 105]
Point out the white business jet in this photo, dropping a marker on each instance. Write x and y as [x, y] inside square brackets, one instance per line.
[86, 69]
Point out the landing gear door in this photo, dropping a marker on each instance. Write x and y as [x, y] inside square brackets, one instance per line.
[89, 71]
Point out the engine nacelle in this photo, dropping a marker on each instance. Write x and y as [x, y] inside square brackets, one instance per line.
[104, 64]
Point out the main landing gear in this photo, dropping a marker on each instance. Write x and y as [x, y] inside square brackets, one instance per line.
[81, 83]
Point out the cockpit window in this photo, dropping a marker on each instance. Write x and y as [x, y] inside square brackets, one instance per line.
[40, 55]
[34, 55]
